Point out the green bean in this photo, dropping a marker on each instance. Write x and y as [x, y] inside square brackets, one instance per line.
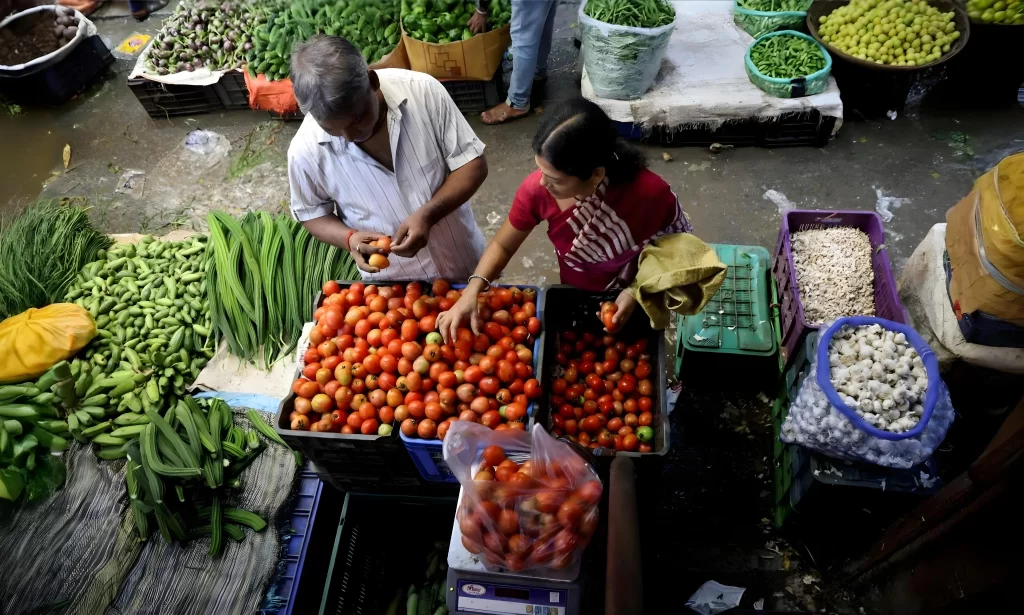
[787, 57]
[775, 6]
[632, 13]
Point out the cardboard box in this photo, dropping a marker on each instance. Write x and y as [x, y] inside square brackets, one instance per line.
[475, 59]
[972, 286]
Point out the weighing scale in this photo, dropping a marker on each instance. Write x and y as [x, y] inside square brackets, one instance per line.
[472, 588]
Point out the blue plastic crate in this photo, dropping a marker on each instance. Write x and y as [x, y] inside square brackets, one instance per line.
[297, 534]
[427, 455]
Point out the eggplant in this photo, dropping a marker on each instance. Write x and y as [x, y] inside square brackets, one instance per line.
[228, 46]
[65, 21]
[58, 31]
[189, 68]
[70, 32]
[161, 71]
[199, 27]
[247, 46]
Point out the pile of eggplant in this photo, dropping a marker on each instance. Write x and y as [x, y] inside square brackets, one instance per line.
[205, 34]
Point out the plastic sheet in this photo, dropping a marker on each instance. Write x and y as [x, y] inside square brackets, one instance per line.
[622, 62]
[541, 516]
[821, 420]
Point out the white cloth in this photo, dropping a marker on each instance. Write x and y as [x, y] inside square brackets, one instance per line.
[429, 139]
[922, 287]
[703, 82]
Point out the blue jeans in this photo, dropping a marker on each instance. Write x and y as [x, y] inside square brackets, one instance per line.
[533, 24]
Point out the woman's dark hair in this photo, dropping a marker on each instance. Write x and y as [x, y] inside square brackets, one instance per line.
[577, 137]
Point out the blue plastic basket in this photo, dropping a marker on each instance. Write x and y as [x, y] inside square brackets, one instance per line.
[427, 455]
[797, 87]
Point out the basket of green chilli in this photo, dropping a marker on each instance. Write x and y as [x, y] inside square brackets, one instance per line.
[788, 64]
[759, 17]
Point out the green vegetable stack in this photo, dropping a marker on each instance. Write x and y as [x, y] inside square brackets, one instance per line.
[370, 25]
[205, 33]
[758, 17]
[30, 429]
[263, 274]
[445, 21]
[632, 13]
[431, 595]
[1003, 12]
[179, 465]
[894, 32]
[153, 338]
[787, 57]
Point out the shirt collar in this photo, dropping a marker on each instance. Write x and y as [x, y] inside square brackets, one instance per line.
[393, 99]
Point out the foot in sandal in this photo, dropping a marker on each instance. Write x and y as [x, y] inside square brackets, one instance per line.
[503, 113]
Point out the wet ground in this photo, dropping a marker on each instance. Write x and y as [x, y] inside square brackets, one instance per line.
[714, 508]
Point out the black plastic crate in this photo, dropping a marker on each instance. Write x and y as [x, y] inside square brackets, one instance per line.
[162, 100]
[372, 561]
[788, 130]
[477, 96]
[231, 89]
[577, 311]
[58, 83]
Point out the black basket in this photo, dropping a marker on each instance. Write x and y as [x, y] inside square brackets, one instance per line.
[233, 93]
[577, 311]
[372, 560]
[477, 96]
[347, 462]
[59, 82]
[788, 130]
[162, 100]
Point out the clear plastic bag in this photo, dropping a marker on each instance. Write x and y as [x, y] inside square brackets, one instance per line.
[539, 514]
[622, 62]
[822, 419]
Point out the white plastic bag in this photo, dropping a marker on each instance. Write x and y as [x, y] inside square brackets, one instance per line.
[622, 62]
[820, 418]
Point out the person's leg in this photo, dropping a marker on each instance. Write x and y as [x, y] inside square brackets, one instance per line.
[528, 21]
[545, 42]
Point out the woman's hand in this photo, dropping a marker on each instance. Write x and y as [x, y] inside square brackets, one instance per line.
[448, 322]
[625, 304]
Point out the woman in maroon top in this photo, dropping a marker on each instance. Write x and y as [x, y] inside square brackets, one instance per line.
[600, 201]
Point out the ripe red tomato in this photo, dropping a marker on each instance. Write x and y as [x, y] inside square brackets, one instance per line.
[531, 388]
[608, 310]
[627, 384]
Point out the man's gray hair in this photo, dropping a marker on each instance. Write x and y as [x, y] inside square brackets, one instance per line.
[328, 75]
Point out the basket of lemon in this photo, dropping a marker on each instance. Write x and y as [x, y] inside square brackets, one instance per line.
[890, 35]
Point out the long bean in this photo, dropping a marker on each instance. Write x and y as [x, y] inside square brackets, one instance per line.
[787, 57]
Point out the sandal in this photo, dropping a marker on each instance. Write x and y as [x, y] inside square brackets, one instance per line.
[503, 113]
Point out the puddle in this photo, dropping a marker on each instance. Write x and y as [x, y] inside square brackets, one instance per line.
[23, 169]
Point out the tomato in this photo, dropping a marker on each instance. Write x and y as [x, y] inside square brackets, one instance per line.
[369, 428]
[627, 384]
[595, 383]
[489, 385]
[571, 426]
[591, 424]
[630, 442]
[627, 365]
[491, 418]
[631, 420]
[645, 433]
[645, 388]
[642, 370]
[506, 372]
[514, 412]
[302, 405]
[354, 420]
[427, 429]
[605, 439]
[646, 418]
[508, 522]
[644, 404]
[310, 370]
[531, 388]
[645, 448]
[433, 411]
[417, 409]
[571, 374]
[309, 389]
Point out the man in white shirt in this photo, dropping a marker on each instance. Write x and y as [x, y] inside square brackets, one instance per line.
[383, 152]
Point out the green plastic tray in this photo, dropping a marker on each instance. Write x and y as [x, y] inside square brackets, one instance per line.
[737, 320]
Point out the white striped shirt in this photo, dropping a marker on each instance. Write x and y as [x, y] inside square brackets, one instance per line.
[429, 139]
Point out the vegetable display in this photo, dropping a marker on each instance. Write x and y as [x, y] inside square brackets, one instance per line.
[205, 33]
[879, 375]
[153, 337]
[444, 21]
[996, 11]
[179, 467]
[262, 272]
[371, 25]
[36, 35]
[31, 428]
[893, 32]
[787, 57]
[430, 596]
[527, 502]
[602, 394]
[632, 13]
[775, 6]
[834, 274]
[376, 360]
[43, 249]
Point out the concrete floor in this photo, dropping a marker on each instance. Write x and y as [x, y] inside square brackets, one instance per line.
[913, 168]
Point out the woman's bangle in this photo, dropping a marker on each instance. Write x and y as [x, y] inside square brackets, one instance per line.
[482, 279]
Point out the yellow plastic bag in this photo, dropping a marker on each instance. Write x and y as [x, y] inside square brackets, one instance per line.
[35, 340]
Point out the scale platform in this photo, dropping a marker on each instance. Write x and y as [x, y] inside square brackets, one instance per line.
[472, 588]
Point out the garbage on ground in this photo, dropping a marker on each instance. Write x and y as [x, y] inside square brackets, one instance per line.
[713, 597]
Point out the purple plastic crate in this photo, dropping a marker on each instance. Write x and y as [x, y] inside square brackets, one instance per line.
[887, 301]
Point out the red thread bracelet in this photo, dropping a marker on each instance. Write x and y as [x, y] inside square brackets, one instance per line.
[348, 240]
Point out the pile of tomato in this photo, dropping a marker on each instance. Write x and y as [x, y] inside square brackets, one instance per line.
[375, 360]
[604, 394]
[531, 514]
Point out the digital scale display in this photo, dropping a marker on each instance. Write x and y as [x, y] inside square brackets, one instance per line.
[478, 597]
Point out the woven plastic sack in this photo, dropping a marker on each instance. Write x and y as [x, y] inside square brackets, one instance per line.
[822, 419]
[35, 340]
[809, 85]
[758, 23]
[544, 512]
[622, 62]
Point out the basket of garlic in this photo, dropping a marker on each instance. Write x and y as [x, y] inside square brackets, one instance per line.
[876, 396]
